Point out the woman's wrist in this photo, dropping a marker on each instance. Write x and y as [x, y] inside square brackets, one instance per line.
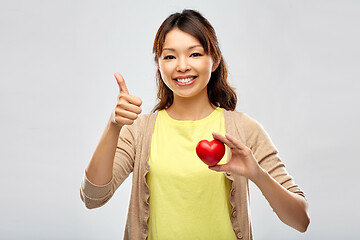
[113, 122]
[260, 177]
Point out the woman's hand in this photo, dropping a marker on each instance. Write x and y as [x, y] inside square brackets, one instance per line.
[127, 107]
[242, 161]
[290, 207]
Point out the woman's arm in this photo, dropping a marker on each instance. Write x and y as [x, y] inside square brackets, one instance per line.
[100, 168]
[289, 207]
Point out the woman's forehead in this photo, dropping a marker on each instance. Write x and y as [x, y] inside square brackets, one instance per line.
[176, 38]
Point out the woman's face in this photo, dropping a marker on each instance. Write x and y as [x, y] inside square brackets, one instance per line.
[184, 66]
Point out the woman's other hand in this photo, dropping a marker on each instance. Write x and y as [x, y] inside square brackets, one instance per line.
[242, 161]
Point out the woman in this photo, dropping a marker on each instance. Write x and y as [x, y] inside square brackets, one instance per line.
[174, 195]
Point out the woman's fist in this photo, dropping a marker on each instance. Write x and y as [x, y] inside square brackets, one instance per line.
[127, 107]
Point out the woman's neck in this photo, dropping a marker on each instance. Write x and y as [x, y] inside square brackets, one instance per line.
[192, 108]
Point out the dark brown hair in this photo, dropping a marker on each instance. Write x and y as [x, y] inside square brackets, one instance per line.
[219, 91]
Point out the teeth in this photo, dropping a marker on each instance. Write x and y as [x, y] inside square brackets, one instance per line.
[185, 80]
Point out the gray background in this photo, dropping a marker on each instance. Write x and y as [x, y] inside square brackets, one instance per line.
[295, 66]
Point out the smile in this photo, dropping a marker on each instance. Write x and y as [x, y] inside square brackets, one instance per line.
[185, 81]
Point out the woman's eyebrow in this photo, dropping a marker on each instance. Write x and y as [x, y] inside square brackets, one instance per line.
[195, 46]
[189, 48]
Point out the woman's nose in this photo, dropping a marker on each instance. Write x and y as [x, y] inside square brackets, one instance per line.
[182, 65]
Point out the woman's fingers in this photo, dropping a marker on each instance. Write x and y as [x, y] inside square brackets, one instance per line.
[123, 121]
[223, 139]
[123, 105]
[125, 114]
[132, 99]
[235, 142]
[221, 168]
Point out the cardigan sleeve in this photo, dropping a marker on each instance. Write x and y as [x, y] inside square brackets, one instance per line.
[266, 154]
[95, 196]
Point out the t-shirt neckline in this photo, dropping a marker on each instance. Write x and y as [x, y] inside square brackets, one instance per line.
[213, 114]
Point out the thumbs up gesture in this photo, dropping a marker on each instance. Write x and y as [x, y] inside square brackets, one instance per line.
[127, 107]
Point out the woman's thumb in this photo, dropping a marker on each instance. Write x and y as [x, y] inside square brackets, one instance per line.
[121, 82]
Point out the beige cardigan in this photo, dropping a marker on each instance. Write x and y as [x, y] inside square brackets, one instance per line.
[132, 154]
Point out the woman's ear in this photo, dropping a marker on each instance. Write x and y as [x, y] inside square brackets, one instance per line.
[215, 65]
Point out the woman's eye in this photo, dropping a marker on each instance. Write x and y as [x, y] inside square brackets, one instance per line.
[169, 57]
[196, 55]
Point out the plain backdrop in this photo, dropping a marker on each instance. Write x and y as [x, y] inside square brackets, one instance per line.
[294, 64]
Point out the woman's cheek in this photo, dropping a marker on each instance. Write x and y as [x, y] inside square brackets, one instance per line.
[166, 72]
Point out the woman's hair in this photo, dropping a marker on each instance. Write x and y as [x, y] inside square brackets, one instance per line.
[192, 22]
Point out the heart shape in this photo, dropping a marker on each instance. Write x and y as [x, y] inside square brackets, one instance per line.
[210, 152]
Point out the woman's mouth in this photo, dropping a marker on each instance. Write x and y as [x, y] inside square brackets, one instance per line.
[185, 81]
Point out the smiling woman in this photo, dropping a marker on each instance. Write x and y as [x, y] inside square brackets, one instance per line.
[174, 194]
[201, 36]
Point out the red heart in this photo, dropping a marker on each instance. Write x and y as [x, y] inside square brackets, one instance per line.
[210, 152]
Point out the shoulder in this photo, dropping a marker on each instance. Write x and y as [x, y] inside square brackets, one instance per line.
[246, 126]
[242, 118]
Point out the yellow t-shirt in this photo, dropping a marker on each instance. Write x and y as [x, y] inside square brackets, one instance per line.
[187, 200]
